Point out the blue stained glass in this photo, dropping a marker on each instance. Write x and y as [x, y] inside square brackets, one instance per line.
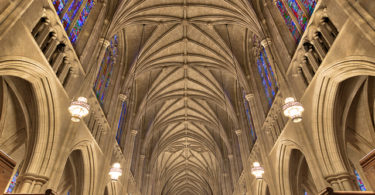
[59, 5]
[309, 5]
[288, 20]
[298, 13]
[305, 193]
[249, 118]
[71, 13]
[12, 184]
[81, 21]
[267, 76]
[106, 68]
[359, 181]
[121, 123]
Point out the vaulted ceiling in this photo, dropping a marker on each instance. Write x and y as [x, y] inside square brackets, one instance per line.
[188, 66]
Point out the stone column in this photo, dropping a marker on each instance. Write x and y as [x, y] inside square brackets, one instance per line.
[51, 47]
[342, 182]
[148, 187]
[228, 185]
[233, 168]
[139, 170]
[266, 45]
[305, 71]
[257, 120]
[244, 149]
[30, 183]
[128, 154]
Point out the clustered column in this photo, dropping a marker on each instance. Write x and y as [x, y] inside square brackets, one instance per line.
[128, 154]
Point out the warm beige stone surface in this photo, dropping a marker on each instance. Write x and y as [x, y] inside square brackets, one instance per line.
[185, 70]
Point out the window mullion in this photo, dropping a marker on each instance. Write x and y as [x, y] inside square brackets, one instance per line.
[291, 14]
[302, 6]
[65, 10]
[74, 21]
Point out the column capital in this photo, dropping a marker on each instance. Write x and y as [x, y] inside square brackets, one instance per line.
[266, 42]
[238, 132]
[122, 97]
[142, 156]
[134, 132]
[104, 42]
[249, 96]
[230, 156]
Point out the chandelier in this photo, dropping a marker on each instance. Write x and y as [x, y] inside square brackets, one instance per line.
[79, 109]
[293, 109]
[115, 172]
[257, 170]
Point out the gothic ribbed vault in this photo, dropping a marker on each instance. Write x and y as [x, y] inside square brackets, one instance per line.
[187, 62]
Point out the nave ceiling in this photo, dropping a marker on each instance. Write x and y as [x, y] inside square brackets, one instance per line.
[187, 71]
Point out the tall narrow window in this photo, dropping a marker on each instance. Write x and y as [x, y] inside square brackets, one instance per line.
[309, 5]
[81, 21]
[298, 13]
[121, 123]
[288, 20]
[59, 5]
[71, 13]
[12, 183]
[105, 72]
[267, 76]
[249, 118]
[73, 18]
[360, 183]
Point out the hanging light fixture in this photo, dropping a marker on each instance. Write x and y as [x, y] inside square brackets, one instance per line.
[115, 172]
[257, 170]
[293, 109]
[79, 109]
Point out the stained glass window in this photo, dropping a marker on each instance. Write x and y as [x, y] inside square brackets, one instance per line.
[298, 13]
[121, 123]
[288, 20]
[71, 13]
[359, 181]
[305, 193]
[104, 75]
[267, 76]
[12, 184]
[81, 21]
[309, 5]
[59, 5]
[249, 118]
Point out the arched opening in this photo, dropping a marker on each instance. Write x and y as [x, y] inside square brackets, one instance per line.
[16, 109]
[357, 129]
[300, 177]
[72, 179]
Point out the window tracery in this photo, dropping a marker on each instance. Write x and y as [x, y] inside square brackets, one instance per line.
[121, 122]
[106, 68]
[267, 76]
[249, 119]
[72, 22]
[360, 183]
[12, 183]
[296, 14]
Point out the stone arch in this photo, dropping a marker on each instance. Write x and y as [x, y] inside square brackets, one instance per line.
[78, 176]
[293, 169]
[43, 122]
[329, 143]
[355, 127]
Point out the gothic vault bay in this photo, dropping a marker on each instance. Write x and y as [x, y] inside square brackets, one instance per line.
[188, 97]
